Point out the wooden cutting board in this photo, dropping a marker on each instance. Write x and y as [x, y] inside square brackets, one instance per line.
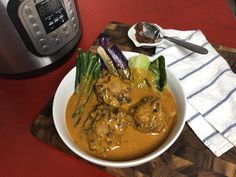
[186, 157]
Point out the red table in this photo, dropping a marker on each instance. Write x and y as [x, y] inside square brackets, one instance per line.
[21, 154]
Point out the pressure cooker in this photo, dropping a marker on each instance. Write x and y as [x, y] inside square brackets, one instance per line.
[36, 33]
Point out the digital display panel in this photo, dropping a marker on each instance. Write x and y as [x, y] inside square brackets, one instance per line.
[52, 14]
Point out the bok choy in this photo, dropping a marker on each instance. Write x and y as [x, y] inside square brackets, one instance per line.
[157, 68]
[140, 67]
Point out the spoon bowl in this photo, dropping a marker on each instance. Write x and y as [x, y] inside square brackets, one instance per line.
[131, 34]
[155, 33]
[151, 31]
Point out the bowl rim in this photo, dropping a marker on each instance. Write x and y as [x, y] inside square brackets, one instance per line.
[120, 164]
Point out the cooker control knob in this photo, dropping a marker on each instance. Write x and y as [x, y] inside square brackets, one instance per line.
[71, 12]
[43, 41]
[27, 10]
[31, 19]
[57, 41]
[39, 34]
[67, 33]
[74, 27]
[64, 27]
[45, 48]
[73, 20]
[54, 34]
[70, 5]
[35, 27]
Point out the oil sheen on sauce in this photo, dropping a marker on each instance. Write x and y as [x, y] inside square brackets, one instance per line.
[134, 144]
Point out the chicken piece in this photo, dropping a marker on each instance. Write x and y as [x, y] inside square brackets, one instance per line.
[105, 126]
[112, 90]
[148, 116]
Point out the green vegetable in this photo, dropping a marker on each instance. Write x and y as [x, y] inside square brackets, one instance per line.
[158, 70]
[88, 70]
[140, 61]
[139, 68]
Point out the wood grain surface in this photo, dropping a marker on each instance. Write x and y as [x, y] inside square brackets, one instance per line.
[186, 157]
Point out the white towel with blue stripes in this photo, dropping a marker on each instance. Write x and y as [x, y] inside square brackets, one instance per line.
[210, 88]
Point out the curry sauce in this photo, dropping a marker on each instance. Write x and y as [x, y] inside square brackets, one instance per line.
[133, 143]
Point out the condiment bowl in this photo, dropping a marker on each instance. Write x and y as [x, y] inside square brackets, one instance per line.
[66, 89]
[131, 35]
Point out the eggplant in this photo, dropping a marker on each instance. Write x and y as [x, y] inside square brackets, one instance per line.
[103, 66]
[107, 60]
[113, 58]
[103, 41]
[119, 60]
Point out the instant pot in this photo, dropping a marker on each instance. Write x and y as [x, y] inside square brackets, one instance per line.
[36, 33]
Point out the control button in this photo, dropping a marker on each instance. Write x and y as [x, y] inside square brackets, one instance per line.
[39, 34]
[73, 20]
[57, 41]
[43, 41]
[35, 27]
[54, 34]
[27, 10]
[70, 5]
[45, 48]
[56, 19]
[71, 12]
[74, 27]
[64, 27]
[50, 23]
[31, 19]
[67, 33]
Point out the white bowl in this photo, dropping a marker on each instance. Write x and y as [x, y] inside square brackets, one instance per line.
[131, 35]
[66, 89]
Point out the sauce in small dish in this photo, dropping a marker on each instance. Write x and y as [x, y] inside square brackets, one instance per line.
[139, 40]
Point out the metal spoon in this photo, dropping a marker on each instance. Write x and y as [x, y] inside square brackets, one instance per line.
[153, 32]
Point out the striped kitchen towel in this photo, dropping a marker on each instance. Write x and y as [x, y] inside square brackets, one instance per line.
[210, 88]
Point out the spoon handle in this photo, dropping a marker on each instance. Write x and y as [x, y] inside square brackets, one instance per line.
[190, 46]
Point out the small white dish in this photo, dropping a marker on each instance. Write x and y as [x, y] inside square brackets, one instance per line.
[131, 35]
[65, 90]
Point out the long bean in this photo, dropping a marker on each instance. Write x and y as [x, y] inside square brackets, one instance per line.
[88, 70]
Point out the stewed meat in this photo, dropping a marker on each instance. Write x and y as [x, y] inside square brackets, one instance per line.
[148, 115]
[112, 90]
[105, 126]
